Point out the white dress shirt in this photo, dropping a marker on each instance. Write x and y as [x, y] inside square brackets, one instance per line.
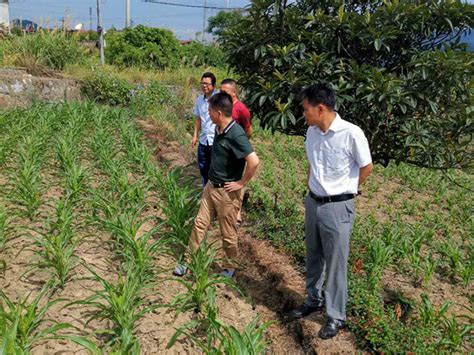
[201, 110]
[335, 157]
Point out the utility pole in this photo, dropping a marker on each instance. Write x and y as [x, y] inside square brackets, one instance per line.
[100, 29]
[204, 20]
[90, 18]
[127, 13]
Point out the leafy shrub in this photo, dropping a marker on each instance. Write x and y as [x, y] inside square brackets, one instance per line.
[105, 88]
[222, 20]
[398, 67]
[198, 54]
[152, 48]
[51, 50]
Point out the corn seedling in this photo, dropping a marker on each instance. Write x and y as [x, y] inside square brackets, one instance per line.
[27, 177]
[430, 265]
[136, 151]
[122, 304]
[5, 228]
[24, 323]
[137, 250]
[429, 315]
[56, 248]
[452, 253]
[180, 206]
[67, 152]
[75, 181]
[202, 283]
[225, 339]
[454, 334]
[379, 256]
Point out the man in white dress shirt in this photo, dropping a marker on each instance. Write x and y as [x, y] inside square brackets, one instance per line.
[204, 128]
[339, 160]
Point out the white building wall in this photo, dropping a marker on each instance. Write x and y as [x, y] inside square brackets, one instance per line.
[4, 14]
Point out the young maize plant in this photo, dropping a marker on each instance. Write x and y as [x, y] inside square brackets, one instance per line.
[378, 257]
[5, 228]
[23, 323]
[136, 151]
[26, 178]
[75, 182]
[123, 304]
[180, 205]
[221, 338]
[203, 281]
[56, 248]
[429, 315]
[67, 151]
[454, 333]
[124, 225]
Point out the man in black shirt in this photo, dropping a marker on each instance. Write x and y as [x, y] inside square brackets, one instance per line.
[233, 164]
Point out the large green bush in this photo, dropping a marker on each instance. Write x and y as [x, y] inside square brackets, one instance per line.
[397, 66]
[151, 48]
[105, 88]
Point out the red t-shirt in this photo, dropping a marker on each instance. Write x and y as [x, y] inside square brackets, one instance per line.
[241, 114]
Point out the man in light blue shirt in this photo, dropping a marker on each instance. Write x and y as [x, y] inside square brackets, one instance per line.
[204, 125]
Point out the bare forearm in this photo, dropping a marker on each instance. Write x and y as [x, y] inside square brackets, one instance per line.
[197, 126]
[364, 172]
[249, 131]
[250, 169]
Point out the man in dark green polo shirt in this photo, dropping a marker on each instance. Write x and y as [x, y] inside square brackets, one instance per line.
[233, 164]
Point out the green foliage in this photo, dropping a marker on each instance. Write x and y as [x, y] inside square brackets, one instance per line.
[398, 68]
[151, 48]
[223, 20]
[196, 54]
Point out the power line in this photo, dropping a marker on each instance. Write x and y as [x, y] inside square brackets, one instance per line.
[194, 6]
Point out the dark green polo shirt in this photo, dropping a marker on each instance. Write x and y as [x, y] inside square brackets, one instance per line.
[228, 154]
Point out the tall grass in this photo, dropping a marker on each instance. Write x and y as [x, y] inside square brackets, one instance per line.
[41, 51]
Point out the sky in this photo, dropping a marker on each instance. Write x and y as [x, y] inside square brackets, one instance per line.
[184, 22]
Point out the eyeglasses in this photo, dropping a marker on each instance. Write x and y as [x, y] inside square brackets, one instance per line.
[206, 84]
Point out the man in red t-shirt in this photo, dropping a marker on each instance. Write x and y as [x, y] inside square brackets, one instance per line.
[240, 112]
[241, 115]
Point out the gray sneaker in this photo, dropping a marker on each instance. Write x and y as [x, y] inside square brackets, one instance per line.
[228, 273]
[180, 270]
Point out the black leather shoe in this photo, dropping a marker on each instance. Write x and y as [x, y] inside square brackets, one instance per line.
[331, 328]
[304, 310]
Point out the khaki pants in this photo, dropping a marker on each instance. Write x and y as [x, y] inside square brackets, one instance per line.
[216, 202]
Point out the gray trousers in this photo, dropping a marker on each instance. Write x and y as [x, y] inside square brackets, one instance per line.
[327, 230]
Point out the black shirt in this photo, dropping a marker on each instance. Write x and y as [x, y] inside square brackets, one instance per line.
[228, 154]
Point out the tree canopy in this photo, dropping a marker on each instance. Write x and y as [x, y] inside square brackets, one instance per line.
[398, 67]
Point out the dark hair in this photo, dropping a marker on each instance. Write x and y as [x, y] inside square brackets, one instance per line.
[228, 81]
[319, 94]
[210, 76]
[222, 102]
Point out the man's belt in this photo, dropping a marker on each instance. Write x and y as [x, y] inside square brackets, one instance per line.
[217, 185]
[335, 198]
